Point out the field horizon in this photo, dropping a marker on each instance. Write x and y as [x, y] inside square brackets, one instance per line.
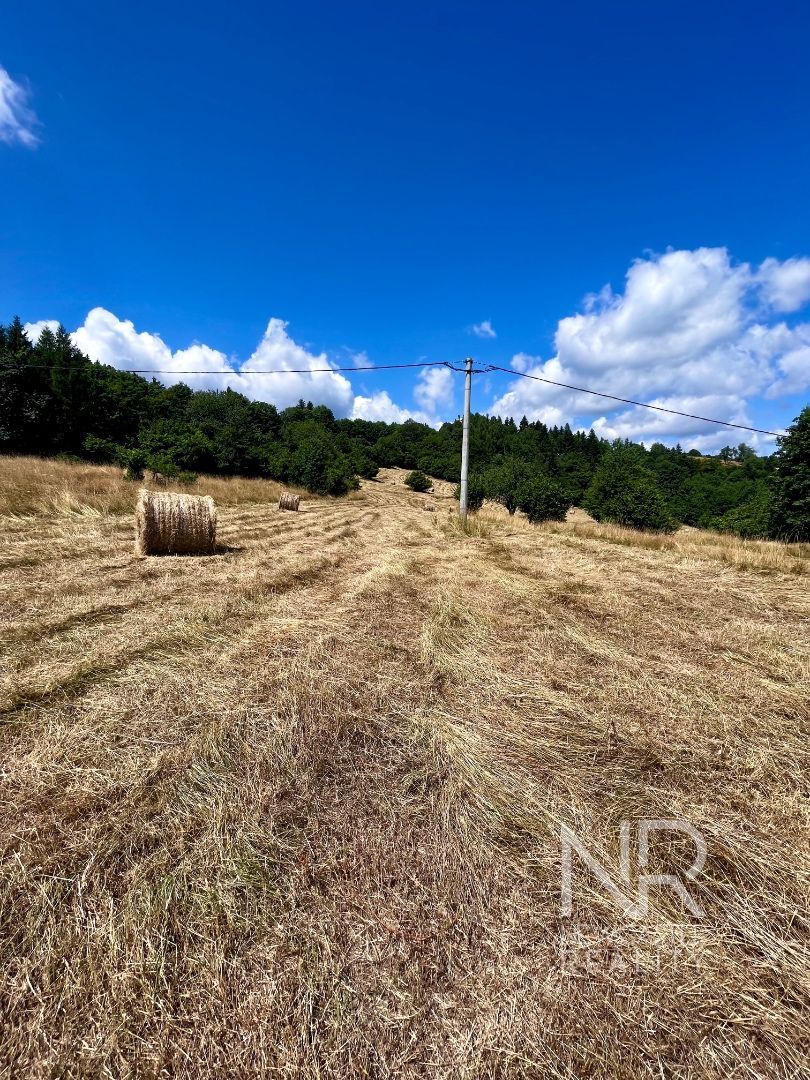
[295, 809]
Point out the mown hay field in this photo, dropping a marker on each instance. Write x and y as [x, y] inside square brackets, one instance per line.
[294, 809]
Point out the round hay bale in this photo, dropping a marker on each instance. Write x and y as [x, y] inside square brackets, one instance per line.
[288, 501]
[173, 524]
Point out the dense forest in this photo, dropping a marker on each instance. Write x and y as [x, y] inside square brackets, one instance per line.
[55, 401]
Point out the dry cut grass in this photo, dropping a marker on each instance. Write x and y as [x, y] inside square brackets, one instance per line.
[294, 810]
[764, 556]
[31, 486]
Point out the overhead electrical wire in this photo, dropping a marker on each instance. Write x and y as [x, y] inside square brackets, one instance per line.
[253, 371]
[422, 364]
[630, 401]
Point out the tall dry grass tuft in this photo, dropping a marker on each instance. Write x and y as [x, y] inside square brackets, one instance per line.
[767, 556]
[47, 487]
[478, 526]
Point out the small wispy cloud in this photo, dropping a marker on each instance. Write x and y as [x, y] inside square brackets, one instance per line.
[18, 121]
[483, 329]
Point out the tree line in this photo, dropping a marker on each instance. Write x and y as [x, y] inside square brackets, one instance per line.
[55, 401]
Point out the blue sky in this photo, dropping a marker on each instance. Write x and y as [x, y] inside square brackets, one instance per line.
[615, 195]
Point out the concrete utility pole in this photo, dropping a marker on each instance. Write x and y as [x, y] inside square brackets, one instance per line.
[465, 438]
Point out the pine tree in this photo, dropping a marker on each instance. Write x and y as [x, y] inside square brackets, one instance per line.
[17, 342]
[22, 401]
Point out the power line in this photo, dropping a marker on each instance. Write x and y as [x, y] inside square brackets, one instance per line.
[391, 367]
[629, 401]
[235, 371]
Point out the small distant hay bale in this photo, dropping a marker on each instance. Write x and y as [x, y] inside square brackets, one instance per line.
[579, 516]
[288, 501]
[175, 524]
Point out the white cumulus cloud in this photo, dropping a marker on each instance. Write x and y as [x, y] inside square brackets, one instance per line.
[379, 406]
[433, 392]
[110, 340]
[18, 121]
[649, 426]
[278, 351]
[301, 374]
[785, 285]
[34, 329]
[687, 332]
[434, 389]
[675, 307]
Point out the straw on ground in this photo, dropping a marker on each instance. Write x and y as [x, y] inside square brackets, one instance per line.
[293, 810]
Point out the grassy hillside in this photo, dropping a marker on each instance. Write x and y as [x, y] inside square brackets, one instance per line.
[33, 486]
[55, 401]
[294, 809]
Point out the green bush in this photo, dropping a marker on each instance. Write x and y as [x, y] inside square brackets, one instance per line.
[135, 465]
[476, 493]
[504, 480]
[317, 464]
[623, 491]
[163, 465]
[104, 451]
[364, 466]
[541, 499]
[418, 481]
[752, 520]
[791, 484]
